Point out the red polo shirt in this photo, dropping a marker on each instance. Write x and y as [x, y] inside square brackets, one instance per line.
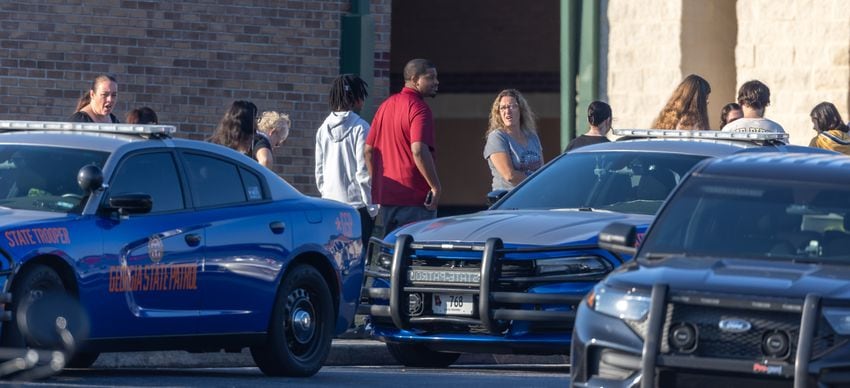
[403, 119]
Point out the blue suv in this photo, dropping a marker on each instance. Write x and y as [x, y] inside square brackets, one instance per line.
[743, 280]
[509, 279]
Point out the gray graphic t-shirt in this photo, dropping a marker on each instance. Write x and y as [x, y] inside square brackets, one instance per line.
[526, 158]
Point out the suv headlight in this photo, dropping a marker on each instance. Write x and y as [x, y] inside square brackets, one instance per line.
[632, 304]
[580, 265]
[838, 318]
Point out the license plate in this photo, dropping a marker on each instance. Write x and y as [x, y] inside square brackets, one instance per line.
[452, 304]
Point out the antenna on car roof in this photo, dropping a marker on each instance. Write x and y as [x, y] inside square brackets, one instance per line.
[153, 131]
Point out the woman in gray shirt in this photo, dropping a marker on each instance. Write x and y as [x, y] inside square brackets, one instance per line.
[513, 150]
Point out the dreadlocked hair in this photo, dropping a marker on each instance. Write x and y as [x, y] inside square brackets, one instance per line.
[346, 91]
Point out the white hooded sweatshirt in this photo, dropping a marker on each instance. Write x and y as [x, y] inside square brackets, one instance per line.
[341, 172]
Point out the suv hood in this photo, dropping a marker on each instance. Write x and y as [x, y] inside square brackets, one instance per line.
[520, 227]
[737, 276]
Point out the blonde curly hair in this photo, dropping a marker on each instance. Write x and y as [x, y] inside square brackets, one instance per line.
[271, 120]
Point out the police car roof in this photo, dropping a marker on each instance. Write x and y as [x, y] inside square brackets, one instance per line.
[94, 136]
[705, 143]
[798, 167]
[673, 146]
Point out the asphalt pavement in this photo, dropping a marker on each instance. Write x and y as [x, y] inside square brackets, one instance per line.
[344, 352]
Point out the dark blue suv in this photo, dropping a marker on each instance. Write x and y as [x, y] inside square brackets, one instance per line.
[508, 279]
[743, 279]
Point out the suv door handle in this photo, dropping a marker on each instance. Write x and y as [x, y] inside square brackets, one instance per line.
[193, 239]
[277, 227]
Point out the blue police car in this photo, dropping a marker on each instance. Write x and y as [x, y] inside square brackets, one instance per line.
[168, 243]
[743, 280]
[508, 279]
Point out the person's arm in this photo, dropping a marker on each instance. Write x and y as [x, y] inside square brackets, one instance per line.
[363, 175]
[264, 157]
[504, 166]
[320, 163]
[425, 164]
[367, 155]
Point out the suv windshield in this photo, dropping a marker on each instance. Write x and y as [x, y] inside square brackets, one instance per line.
[43, 178]
[754, 219]
[626, 182]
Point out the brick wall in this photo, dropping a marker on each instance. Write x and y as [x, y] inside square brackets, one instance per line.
[188, 60]
[801, 50]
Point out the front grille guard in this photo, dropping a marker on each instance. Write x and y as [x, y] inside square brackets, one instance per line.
[653, 358]
[489, 316]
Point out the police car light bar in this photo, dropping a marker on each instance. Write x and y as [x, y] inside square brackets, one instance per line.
[137, 129]
[689, 134]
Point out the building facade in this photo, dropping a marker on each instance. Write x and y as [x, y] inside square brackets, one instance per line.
[189, 59]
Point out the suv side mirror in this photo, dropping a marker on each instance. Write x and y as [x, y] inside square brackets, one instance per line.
[495, 196]
[618, 237]
[90, 178]
[131, 203]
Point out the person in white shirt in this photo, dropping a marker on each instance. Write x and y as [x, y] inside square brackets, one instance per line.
[341, 172]
[754, 97]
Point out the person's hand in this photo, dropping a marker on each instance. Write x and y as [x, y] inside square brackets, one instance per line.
[373, 210]
[432, 199]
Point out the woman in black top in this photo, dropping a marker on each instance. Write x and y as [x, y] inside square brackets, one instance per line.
[238, 127]
[95, 105]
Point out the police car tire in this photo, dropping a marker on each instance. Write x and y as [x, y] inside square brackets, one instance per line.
[38, 277]
[419, 356]
[283, 355]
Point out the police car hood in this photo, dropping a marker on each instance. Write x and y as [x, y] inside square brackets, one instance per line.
[771, 278]
[520, 227]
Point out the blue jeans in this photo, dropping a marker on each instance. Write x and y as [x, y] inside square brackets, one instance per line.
[394, 217]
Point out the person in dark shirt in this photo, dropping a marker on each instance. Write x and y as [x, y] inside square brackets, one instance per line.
[238, 128]
[599, 119]
[272, 131]
[96, 104]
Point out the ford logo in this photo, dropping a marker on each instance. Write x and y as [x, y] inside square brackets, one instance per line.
[735, 325]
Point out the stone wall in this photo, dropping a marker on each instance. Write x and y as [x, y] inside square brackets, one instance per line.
[644, 58]
[801, 50]
[188, 60]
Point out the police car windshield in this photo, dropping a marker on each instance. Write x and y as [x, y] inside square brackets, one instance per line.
[626, 182]
[754, 219]
[43, 178]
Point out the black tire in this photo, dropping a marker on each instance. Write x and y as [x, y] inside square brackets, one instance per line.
[33, 284]
[82, 360]
[298, 349]
[419, 356]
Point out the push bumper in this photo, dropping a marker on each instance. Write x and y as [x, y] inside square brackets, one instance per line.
[494, 306]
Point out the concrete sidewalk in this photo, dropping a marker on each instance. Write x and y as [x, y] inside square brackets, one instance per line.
[343, 352]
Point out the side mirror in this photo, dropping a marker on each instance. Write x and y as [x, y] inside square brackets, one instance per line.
[90, 178]
[495, 196]
[619, 238]
[131, 203]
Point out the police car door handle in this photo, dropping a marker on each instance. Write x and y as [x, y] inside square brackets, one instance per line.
[277, 227]
[193, 239]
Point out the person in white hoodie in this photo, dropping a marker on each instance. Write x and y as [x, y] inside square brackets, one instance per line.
[341, 172]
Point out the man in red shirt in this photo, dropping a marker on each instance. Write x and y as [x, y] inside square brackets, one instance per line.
[400, 152]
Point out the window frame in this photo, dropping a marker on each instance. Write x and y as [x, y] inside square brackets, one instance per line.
[181, 177]
[266, 193]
